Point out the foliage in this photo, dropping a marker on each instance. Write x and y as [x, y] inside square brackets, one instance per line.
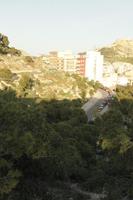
[41, 140]
[25, 84]
[29, 59]
[14, 51]
[4, 46]
[5, 74]
[46, 142]
[83, 84]
[4, 40]
[116, 144]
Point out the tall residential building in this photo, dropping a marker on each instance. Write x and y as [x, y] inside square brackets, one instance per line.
[69, 61]
[55, 61]
[94, 66]
[81, 63]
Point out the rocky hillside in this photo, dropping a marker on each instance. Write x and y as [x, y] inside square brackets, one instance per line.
[120, 50]
[30, 77]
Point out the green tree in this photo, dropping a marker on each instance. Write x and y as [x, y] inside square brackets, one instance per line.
[4, 40]
[25, 84]
[6, 74]
[4, 46]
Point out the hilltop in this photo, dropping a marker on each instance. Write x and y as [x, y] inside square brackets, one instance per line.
[119, 51]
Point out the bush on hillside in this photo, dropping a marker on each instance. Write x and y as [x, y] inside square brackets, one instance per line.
[5, 74]
[4, 46]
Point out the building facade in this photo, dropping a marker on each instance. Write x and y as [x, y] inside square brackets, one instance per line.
[69, 60]
[87, 64]
[94, 66]
[55, 61]
[81, 63]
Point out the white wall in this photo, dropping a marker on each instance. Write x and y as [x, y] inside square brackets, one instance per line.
[94, 66]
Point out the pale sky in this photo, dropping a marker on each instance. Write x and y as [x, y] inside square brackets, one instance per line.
[38, 26]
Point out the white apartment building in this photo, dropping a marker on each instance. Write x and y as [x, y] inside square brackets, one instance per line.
[70, 61]
[94, 66]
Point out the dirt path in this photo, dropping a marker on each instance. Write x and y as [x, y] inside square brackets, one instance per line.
[92, 196]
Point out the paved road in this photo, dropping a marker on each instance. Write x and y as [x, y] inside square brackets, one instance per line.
[92, 105]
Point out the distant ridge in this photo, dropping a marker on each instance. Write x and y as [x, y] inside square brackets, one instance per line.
[120, 50]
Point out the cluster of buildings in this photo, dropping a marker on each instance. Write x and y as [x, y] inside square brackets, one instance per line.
[88, 64]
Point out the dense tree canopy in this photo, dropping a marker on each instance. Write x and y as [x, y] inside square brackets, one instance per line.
[46, 144]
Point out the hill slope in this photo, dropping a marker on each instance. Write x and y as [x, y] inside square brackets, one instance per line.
[120, 50]
[46, 83]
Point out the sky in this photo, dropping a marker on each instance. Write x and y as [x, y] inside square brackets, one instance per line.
[39, 26]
